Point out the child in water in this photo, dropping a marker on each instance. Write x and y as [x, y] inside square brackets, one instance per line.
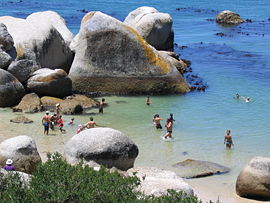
[71, 122]
[156, 121]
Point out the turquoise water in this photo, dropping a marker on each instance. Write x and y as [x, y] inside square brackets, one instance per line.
[236, 63]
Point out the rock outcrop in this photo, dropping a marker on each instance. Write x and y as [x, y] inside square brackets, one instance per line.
[153, 26]
[104, 146]
[228, 18]
[30, 103]
[11, 90]
[196, 169]
[254, 180]
[22, 69]
[22, 150]
[174, 59]
[156, 181]
[24, 177]
[36, 38]
[47, 82]
[112, 57]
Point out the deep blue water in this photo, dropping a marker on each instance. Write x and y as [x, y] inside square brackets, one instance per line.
[236, 63]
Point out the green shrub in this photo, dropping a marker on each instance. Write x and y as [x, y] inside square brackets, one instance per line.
[58, 181]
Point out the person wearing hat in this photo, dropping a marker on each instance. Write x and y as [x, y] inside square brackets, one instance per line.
[46, 122]
[9, 166]
[57, 110]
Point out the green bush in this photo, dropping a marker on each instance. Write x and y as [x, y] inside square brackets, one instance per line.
[58, 181]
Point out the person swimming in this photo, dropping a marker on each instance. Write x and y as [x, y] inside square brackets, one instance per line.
[248, 99]
[237, 96]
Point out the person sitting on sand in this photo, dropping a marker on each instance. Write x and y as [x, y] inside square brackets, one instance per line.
[148, 100]
[101, 105]
[156, 121]
[169, 126]
[9, 166]
[80, 128]
[91, 123]
[228, 139]
[46, 119]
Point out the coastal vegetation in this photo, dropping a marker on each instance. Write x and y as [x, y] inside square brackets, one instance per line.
[58, 181]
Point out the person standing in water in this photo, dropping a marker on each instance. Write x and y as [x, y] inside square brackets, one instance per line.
[156, 121]
[91, 123]
[101, 105]
[46, 119]
[228, 139]
[148, 100]
[169, 126]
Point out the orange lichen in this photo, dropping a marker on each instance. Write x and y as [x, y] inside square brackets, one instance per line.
[154, 59]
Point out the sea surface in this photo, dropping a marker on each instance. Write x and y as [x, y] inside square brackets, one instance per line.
[238, 62]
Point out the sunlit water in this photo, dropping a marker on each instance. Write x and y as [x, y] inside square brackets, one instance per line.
[236, 63]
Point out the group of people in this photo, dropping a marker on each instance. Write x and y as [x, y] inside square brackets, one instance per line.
[88, 125]
[169, 125]
[245, 99]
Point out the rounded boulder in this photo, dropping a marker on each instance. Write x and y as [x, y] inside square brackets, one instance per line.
[104, 146]
[254, 180]
[22, 150]
[11, 90]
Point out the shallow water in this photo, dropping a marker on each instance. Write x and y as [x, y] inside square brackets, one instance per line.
[236, 63]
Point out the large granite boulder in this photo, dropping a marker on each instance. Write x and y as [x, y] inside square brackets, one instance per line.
[254, 180]
[30, 103]
[174, 59]
[22, 69]
[53, 19]
[40, 41]
[228, 18]
[5, 59]
[153, 26]
[156, 181]
[47, 82]
[104, 146]
[11, 90]
[22, 150]
[196, 169]
[112, 57]
[6, 41]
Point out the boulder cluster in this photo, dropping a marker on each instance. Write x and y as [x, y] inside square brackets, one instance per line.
[40, 55]
[94, 147]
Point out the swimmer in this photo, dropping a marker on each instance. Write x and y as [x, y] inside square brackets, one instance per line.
[248, 99]
[237, 96]
[91, 123]
[71, 122]
[148, 100]
[169, 126]
[228, 139]
[156, 121]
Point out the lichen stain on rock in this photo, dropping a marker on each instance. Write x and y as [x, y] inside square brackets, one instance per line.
[88, 16]
[154, 59]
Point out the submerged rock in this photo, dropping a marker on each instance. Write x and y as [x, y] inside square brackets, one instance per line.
[153, 26]
[196, 169]
[254, 179]
[11, 90]
[112, 57]
[156, 181]
[228, 18]
[22, 150]
[104, 146]
[47, 82]
[21, 119]
[30, 103]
